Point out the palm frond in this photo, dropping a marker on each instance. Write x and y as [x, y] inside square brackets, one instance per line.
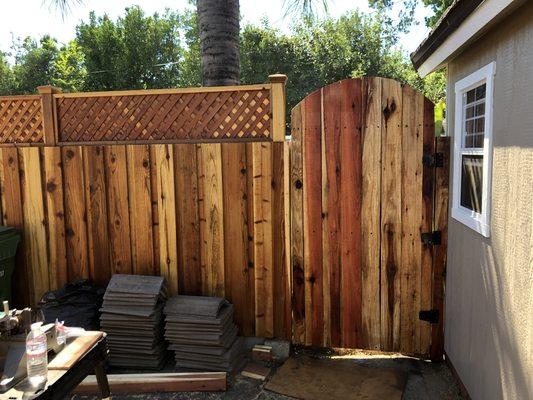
[307, 8]
[63, 6]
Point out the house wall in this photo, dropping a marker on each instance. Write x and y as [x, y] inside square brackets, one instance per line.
[489, 282]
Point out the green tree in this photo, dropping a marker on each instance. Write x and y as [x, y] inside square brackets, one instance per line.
[69, 68]
[7, 80]
[438, 7]
[135, 52]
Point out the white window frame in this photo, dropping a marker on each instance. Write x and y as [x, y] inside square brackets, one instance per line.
[479, 222]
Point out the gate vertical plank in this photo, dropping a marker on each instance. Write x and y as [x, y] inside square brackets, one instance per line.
[370, 216]
[156, 245]
[22, 290]
[331, 167]
[55, 214]
[166, 205]
[297, 234]
[211, 231]
[237, 283]
[312, 174]
[439, 252]
[34, 221]
[281, 292]
[97, 227]
[428, 181]
[139, 186]
[264, 302]
[412, 142]
[391, 207]
[75, 213]
[350, 176]
[118, 209]
[188, 223]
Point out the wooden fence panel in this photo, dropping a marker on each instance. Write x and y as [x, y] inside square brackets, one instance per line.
[91, 211]
[365, 200]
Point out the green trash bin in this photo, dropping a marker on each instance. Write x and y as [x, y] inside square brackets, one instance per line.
[9, 240]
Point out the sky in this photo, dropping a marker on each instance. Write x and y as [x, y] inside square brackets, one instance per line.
[35, 18]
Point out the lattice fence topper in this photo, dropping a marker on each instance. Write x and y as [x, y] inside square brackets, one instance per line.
[230, 114]
[21, 119]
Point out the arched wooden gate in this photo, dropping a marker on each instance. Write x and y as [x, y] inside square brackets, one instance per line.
[368, 190]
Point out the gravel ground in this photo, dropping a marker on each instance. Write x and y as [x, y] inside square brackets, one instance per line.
[426, 380]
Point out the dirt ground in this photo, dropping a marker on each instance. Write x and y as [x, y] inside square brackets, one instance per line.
[426, 380]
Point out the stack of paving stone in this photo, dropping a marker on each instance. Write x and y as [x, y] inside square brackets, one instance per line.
[202, 334]
[132, 317]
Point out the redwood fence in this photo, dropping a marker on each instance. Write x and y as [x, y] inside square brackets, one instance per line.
[315, 239]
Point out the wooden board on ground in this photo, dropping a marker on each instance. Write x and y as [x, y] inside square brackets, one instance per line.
[164, 382]
[74, 351]
[310, 378]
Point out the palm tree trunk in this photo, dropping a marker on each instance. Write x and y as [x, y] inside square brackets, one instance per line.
[218, 22]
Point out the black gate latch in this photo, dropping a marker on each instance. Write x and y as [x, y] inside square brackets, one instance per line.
[431, 316]
[431, 238]
[436, 160]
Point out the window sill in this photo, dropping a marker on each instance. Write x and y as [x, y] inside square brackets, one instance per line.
[472, 220]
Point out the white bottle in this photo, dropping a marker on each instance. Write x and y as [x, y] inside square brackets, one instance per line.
[36, 355]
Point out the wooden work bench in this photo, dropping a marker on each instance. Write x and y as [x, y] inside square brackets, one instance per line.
[82, 356]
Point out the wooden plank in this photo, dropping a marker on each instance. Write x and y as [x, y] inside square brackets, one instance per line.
[312, 182]
[331, 167]
[237, 282]
[262, 217]
[22, 290]
[391, 206]
[157, 383]
[140, 211]
[211, 219]
[411, 196]
[277, 98]
[280, 276]
[34, 221]
[55, 215]
[97, 224]
[439, 252]
[118, 210]
[155, 210]
[166, 204]
[75, 213]
[74, 350]
[370, 217]
[428, 185]
[350, 189]
[250, 317]
[297, 235]
[188, 223]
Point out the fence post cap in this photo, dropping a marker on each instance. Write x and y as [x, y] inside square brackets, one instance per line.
[277, 78]
[48, 89]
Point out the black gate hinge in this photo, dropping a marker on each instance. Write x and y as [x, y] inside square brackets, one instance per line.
[431, 316]
[431, 238]
[433, 160]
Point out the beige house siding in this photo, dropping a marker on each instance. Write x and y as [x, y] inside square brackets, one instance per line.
[489, 282]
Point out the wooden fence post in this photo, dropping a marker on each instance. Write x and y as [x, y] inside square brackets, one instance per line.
[49, 110]
[277, 95]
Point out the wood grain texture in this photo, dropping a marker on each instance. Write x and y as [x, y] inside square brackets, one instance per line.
[439, 252]
[22, 290]
[34, 221]
[391, 205]
[237, 282]
[186, 183]
[140, 212]
[75, 213]
[297, 234]
[312, 182]
[350, 188]
[97, 227]
[53, 174]
[118, 209]
[263, 231]
[211, 219]
[370, 216]
[166, 205]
